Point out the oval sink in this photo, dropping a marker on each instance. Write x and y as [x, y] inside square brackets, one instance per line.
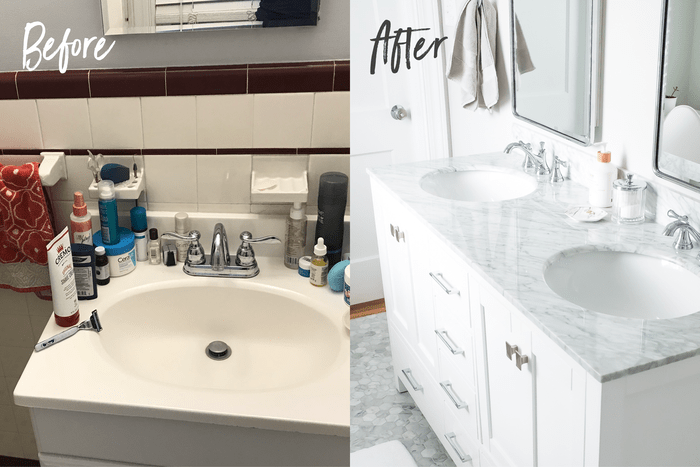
[276, 340]
[480, 185]
[624, 284]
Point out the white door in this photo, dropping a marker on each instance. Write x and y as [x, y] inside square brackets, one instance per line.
[379, 139]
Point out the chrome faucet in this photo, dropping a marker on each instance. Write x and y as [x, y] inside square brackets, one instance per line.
[532, 161]
[218, 263]
[686, 232]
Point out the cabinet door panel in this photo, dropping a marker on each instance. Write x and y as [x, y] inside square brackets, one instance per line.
[510, 390]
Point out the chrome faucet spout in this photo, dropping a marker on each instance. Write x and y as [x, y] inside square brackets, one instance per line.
[532, 161]
[220, 257]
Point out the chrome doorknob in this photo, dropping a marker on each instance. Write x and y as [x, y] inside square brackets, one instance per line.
[398, 112]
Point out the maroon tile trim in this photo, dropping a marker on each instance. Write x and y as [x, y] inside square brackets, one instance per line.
[8, 88]
[322, 76]
[206, 81]
[323, 151]
[52, 84]
[256, 151]
[277, 79]
[135, 82]
[177, 151]
[341, 81]
[106, 152]
[182, 151]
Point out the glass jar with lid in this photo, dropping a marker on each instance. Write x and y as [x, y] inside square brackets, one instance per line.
[629, 198]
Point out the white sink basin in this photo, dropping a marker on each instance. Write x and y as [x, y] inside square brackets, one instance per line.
[479, 184]
[624, 284]
[277, 341]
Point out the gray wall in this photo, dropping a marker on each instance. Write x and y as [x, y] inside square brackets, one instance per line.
[330, 39]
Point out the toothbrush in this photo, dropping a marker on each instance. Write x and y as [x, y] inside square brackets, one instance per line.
[94, 164]
[91, 324]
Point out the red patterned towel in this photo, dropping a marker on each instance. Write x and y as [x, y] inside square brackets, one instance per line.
[25, 229]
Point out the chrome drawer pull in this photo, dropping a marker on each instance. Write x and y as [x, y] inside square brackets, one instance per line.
[409, 376]
[447, 387]
[452, 439]
[449, 343]
[443, 284]
[510, 350]
[393, 230]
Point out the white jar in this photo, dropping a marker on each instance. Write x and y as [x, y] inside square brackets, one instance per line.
[603, 173]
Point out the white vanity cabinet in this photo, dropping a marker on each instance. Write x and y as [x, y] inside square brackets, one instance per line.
[450, 339]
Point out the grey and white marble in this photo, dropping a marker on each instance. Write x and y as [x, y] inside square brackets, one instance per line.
[378, 412]
[508, 243]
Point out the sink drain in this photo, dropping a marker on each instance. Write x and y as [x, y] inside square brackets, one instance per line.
[218, 350]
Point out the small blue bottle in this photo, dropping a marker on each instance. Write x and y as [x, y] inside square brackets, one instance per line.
[108, 212]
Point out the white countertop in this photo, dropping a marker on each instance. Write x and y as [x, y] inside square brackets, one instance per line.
[78, 374]
[508, 243]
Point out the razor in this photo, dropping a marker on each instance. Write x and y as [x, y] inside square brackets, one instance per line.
[91, 324]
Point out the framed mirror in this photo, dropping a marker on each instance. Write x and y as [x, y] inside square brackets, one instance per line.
[152, 16]
[677, 136]
[555, 49]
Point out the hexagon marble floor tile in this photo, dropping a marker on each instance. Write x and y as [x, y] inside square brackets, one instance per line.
[378, 412]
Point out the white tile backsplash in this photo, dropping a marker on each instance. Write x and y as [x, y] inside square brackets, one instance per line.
[225, 121]
[171, 179]
[282, 120]
[223, 179]
[116, 122]
[331, 121]
[19, 121]
[65, 123]
[169, 122]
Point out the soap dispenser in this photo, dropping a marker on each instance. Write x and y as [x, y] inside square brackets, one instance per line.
[295, 236]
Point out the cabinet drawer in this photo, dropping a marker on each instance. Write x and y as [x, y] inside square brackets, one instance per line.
[422, 387]
[463, 450]
[460, 399]
[455, 348]
[450, 285]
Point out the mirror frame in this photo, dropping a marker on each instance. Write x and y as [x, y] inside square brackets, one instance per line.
[594, 50]
[661, 82]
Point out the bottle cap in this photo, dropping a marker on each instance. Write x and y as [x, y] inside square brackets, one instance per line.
[106, 189]
[604, 156]
[138, 219]
[153, 234]
[296, 212]
[181, 219]
[100, 250]
[333, 189]
[79, 206]
[320, 249]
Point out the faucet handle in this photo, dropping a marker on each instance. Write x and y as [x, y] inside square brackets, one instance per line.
[245, 256]
[247, 237]
[556, 173]
[672, 214]
[195, 252]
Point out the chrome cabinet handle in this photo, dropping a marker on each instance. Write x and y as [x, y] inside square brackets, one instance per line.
[452, 439]
[396, 233]
[443, 283]
[409, 376]
[449, 343]
[459, 403]
[520, 359]
[398, 112]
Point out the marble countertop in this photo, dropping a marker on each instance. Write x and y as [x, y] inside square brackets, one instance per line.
[508, 244]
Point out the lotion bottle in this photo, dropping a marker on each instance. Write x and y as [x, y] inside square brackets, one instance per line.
[139, 226]
[295, 236]
[603, 173]
[181, 227]
[319, 265]
[80, 221]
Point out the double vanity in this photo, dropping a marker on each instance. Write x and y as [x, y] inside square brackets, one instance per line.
[527, 338]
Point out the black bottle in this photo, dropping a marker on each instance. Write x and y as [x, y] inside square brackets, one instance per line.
[101, 266]
[332, 197]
